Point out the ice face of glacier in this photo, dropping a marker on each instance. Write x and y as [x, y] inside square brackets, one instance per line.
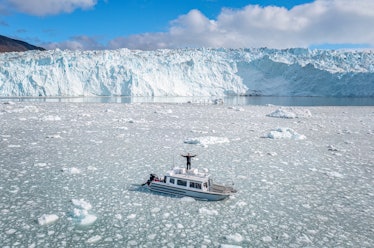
[188, 72]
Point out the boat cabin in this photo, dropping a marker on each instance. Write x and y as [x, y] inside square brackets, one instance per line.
[192, 179]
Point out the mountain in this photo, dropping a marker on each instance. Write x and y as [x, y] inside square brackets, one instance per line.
[12, 45]
[188, 72]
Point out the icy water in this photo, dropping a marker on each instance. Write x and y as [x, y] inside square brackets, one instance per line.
[228, 100]
[70, 175]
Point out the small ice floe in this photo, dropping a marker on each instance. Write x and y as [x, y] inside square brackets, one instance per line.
[71, 170]
[81, 213]
[46, 219]
[332, 148]
[290, 113]
[93, 239]
[267, 239]
[187, 199]
[282, 113]
[10, 231]
[131, 216]
[208, 140]
[27, 109]
[229, 246]
[205, 211]
[14, 146]
[53, 136]
[333, 174]
[40, 164]
[236, 238]
[51, 118]
[236, 108]
[284, 133]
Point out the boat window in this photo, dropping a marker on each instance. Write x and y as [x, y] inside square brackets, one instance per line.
[171, 180]
[205, 185]
[195, 185]
[182, 182]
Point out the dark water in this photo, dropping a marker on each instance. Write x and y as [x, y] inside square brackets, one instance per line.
[229, 100]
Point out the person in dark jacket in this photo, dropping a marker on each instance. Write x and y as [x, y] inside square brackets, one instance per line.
[188, 157]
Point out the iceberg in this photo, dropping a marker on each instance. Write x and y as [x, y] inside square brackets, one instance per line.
[187, 72]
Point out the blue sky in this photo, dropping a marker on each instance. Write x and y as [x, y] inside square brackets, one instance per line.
[152, 24]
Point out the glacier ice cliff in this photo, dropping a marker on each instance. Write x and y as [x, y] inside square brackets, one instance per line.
[188, 72]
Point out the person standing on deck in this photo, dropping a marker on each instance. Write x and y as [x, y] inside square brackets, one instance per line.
[188, 157]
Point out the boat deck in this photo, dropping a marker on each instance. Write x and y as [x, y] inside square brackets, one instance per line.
[222, 189]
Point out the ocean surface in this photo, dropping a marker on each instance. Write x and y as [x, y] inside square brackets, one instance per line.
[70, 175]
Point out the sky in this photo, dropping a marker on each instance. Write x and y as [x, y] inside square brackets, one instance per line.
[155, 24]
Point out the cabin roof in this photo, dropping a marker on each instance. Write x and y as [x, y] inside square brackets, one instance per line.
[192, 175]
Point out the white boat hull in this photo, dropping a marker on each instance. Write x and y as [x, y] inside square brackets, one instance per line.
[161, 187]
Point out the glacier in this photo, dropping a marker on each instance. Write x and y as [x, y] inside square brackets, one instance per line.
[188, 72]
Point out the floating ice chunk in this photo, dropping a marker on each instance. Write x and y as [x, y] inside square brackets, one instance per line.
[151, 236]
[14, 146]
[88, 219]
[236, 108]
[53, 136]
[267, 239]
[282, 113]
[51, 118]
[207, 140]
[91, 168]
[80, 214]
[155, 210]
[83, 217]
[187, 199]
[332, 148]
[236, 237]
[40, 164]
[118, 216]
[284, 133]
[131, 216]
[334, 174]
[47, 219]
[10, 231]
[229, 246]
[81, 204]
[93, 239]
[205, 211]
[72, 170]
[290, 113]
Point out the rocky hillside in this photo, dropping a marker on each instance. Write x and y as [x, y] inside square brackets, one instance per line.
[11, 45]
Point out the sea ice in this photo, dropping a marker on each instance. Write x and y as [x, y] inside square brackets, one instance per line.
[71, 170]
[284, 133]
[81, 213]
[206, 140]
[289, 192]
[46, 219]
[94, 239]
[290, 113]
[282, 113]
[205, 211]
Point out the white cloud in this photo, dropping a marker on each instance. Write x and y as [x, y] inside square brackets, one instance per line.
[320, 22]
[48, 7]
[76, 43]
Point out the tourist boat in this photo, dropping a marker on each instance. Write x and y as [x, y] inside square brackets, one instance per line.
[189, 182]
